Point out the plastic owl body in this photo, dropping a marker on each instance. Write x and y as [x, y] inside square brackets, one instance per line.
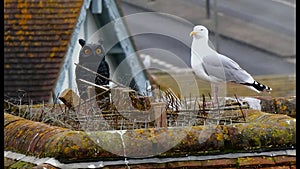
[91, 56]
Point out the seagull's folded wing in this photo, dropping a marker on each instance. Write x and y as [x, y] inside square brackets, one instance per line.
[225, 69]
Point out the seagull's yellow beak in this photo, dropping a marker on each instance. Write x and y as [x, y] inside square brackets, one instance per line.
[193, 33]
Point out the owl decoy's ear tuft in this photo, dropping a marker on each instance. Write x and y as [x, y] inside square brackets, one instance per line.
[81, 42]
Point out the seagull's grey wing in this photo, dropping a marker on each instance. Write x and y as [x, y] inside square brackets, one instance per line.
[225, 69]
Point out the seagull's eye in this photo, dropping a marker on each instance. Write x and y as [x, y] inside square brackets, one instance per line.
[98, 51]
[87, 51]
[201, 29]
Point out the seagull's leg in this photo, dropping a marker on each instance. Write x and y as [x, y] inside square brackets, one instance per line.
[216, 90]
[216, 100]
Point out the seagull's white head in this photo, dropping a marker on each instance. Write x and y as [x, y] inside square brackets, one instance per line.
[199, 31]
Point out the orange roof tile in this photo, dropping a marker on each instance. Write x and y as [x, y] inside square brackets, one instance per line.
[36, 35]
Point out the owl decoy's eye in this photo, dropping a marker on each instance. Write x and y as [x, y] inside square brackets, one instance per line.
[98, 51]
[87, 51]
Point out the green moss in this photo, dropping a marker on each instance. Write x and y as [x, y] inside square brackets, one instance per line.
[21, 165]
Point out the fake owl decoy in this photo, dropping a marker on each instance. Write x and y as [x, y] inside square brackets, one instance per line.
[91, 56]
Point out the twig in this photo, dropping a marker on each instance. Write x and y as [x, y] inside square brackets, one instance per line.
[62, 123]
[209, 96]
[160, 97]
[203, 105]
[185, 102]
[93, 84]
[240, 107]
[54, 101]
[190, 100]
[195, 103]
[119, 84]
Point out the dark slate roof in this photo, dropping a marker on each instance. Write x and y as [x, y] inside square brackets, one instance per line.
[36, 37]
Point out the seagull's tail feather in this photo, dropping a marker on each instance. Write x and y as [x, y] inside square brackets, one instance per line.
[258, 87]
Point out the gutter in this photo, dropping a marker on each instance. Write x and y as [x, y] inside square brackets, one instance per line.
[153, 160]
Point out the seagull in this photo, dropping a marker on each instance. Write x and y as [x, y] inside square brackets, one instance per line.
[217, 68]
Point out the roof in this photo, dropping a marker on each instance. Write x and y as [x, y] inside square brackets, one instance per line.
[36, 37]
[255, 144]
